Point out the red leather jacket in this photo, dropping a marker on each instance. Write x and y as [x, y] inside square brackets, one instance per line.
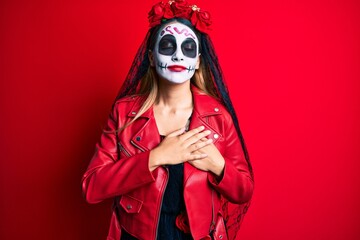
[141, 191]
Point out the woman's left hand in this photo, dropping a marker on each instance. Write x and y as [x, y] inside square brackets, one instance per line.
[214, 162]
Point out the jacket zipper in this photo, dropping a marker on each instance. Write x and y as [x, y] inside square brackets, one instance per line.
[133, 143]
[122, 149]
[161, 203]
[162, 194]
[212, 226]
[213, 223]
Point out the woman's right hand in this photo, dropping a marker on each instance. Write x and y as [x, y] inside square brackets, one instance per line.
[179, 147]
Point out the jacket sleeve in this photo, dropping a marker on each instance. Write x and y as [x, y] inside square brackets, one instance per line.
[106, 176]
[236, 183]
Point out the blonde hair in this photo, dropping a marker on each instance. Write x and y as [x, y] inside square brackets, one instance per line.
[149, 87]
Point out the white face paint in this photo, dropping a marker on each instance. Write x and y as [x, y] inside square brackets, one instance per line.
[176, 53]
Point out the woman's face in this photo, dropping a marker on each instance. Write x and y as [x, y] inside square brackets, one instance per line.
[176, 53]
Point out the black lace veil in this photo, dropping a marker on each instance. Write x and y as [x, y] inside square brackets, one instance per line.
[233, 213]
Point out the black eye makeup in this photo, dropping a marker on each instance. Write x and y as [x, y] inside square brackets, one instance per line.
[167, 45]
[188, 47]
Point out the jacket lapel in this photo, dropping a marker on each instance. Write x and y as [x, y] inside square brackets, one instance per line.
[204, 108]
[147, 137]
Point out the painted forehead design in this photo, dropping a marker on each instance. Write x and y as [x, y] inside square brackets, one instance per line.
[178, 30]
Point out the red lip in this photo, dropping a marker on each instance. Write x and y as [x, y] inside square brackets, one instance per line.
[176, 68]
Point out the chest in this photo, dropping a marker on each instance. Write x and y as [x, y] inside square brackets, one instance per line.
[143, 135]
[168, 122]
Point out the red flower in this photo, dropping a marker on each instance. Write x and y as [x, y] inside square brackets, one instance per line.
[168, 12]
[182, 222]
[181, 9]
[157, 13]
[166, 9]
[201, 21]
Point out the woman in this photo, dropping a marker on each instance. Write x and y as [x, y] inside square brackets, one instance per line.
[172, 154]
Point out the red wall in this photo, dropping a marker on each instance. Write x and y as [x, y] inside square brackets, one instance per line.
[293, 70]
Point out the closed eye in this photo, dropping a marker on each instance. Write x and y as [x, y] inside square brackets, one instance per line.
[189, 48]
[167, 45]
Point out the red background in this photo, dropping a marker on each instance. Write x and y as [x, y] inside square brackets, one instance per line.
[292, 67]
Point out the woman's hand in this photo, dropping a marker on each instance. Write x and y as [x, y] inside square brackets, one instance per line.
[179, 147]
[214, 162]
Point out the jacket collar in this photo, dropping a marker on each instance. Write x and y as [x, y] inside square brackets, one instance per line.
[203, 105]
[136, 108]
[148, 136]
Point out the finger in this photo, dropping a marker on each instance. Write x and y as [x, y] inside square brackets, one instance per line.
[177, 132]
[192, 132]
[197, 156]
[196, 138]
[200, 144]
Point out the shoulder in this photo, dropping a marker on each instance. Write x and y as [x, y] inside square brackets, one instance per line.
[208, 105]
[124, 105]
[125, 101]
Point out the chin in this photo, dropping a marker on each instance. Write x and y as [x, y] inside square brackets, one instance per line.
[178, 81]
[174, 80]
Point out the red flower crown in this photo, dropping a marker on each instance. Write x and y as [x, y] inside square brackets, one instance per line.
[167, 9]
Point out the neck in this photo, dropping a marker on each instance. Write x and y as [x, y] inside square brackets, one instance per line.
[174, 96]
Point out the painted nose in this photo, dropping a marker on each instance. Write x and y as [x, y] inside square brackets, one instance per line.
[178, 56]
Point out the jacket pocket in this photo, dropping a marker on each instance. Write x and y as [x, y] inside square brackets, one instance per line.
[130, 204]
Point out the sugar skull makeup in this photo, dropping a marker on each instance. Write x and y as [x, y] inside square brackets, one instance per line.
[176, 53]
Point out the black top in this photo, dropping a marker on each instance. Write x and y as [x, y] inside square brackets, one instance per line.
[172, 204]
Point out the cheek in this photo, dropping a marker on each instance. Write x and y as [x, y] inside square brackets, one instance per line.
[192, 61]
[162, 58]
